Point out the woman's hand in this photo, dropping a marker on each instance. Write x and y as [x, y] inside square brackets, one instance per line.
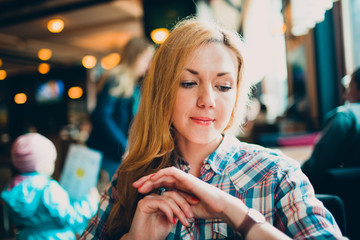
[212, 202]
[209, 201]
[156, 215]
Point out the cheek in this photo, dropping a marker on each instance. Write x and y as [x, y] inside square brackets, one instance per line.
[179, 107]
[227, 108]
[228, 103]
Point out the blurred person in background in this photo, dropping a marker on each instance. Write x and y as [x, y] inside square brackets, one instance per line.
[338, 145]
[37, 205]
[117, 104]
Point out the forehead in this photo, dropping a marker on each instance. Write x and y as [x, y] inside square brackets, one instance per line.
[213, 56]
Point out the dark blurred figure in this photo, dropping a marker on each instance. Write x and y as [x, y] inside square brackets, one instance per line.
[338, 146]
[117, 104]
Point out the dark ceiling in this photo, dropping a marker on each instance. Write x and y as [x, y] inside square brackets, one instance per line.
[95, 27]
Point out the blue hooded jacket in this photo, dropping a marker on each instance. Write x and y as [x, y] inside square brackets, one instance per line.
[41, 209]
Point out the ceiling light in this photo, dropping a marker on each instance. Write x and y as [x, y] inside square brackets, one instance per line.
[55, 25]
[89, 61]
[20, 98]
[75, 92]
[44, 54]
[159, 35]
[44, 68]
[110, 61]
[2, 74]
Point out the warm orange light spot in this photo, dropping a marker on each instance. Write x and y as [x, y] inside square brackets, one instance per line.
[55, 25]
[75, 92]
[110, 61]
[159, 35]
[89, 61]
[20, 98]
[0, 62]
[44, 54]
[44, 68]
[2, 74]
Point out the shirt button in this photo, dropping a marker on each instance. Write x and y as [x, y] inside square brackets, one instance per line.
[207, 166]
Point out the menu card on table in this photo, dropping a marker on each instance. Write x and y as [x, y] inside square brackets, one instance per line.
[81, 170]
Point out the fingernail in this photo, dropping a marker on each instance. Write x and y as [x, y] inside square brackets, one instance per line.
[187, 222]
[173, 220]
[141, 186]
[195, 199]
[190, 214]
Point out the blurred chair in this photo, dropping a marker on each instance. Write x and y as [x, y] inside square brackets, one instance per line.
[336, 206]
[344, 183]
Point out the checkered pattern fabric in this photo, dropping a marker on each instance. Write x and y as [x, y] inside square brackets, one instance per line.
[263, 179]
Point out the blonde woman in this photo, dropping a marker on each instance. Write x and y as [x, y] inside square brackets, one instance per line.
[185, 176]
[117, 103]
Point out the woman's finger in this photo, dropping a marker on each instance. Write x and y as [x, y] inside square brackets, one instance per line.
[142, 180]
[168, 177]
[181, 201]
[166, 205]
[151, 204]
[191, 199]
[166, 181]
[178, 209]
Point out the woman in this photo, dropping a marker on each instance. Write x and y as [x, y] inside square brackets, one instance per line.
[117, 103]
[193, 96]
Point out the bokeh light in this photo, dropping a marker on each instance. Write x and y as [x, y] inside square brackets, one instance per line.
[55, 25]
[20, 98]
[2, 74]
[75, 92]
[44, 68]
[159, 35]
[89, 61]
[44, 54]
[110, 61]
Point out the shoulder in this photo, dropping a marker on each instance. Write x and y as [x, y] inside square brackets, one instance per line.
[350, 110]
[55, 193]
[36, 181]
[251, 164]
[345, 115]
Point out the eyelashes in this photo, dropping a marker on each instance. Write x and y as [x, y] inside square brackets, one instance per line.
[191, 84]
[224, 88]
[186, 84]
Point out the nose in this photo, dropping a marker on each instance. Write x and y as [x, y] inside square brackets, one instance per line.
[206, 97]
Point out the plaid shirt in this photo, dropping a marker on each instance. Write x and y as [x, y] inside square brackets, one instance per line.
[263, 179]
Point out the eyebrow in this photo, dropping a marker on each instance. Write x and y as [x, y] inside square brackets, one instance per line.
[196, 73]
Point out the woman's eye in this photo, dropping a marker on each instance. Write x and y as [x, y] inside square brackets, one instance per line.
[224, 88]
[187, 84]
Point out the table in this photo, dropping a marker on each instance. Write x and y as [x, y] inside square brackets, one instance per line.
[298, 153]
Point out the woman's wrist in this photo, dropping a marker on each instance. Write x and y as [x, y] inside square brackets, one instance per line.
[234, 212]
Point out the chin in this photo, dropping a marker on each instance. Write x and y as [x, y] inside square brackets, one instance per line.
[204, 138]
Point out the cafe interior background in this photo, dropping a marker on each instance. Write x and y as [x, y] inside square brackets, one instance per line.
[299, 53]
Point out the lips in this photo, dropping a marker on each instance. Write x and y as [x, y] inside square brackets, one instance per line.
[203, 120]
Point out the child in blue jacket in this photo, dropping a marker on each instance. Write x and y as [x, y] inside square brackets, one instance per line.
[37, 205]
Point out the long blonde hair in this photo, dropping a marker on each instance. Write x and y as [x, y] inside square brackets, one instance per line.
[124, 74]
[151, 139]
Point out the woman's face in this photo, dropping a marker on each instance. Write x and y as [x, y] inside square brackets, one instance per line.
[207, 94]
